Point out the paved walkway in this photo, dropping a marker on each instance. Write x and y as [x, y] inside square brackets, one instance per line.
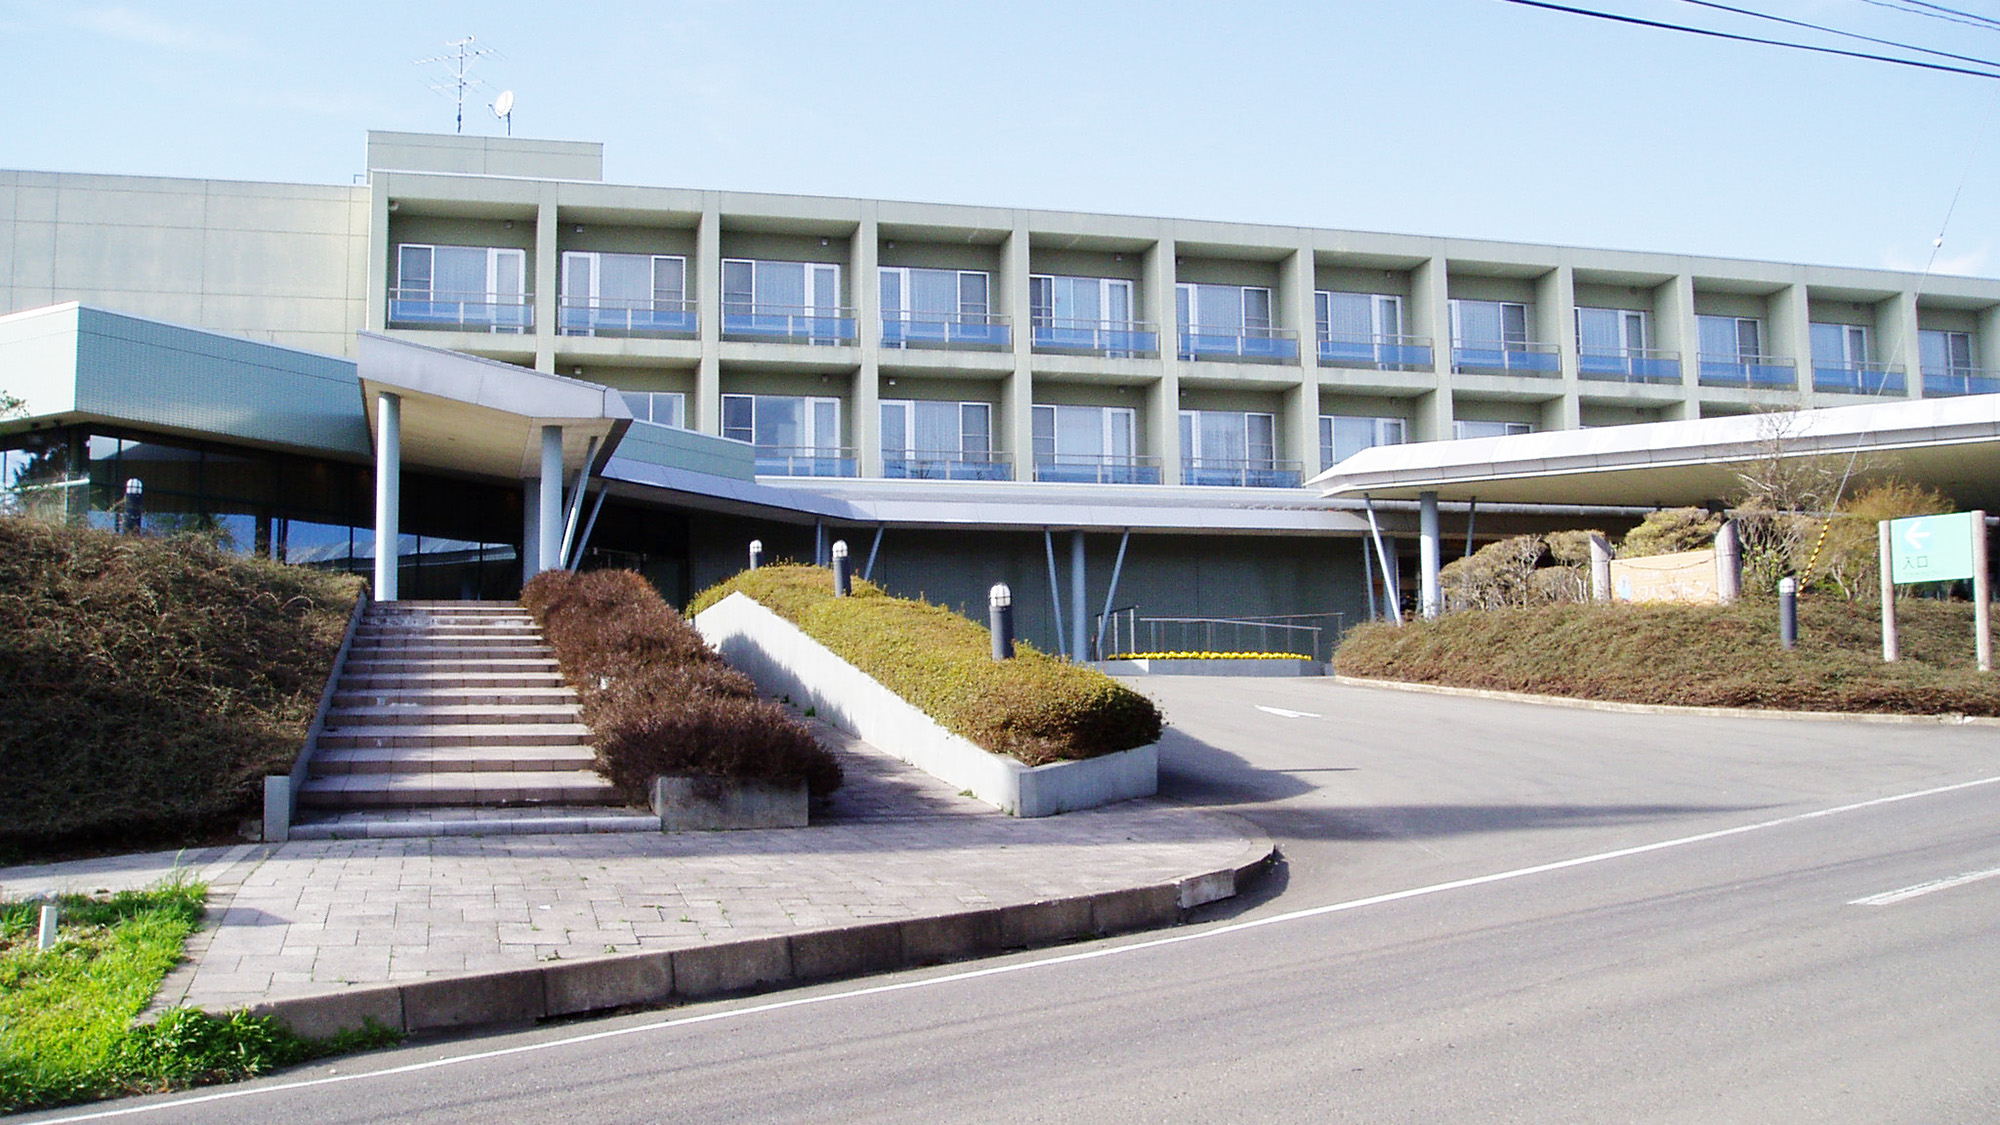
[310, 917]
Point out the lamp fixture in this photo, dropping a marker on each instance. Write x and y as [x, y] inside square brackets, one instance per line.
[822, 241]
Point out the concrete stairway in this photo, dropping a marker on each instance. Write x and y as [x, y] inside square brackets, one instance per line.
[452, 706]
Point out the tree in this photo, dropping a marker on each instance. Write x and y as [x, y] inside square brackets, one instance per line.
[1670, 530]
[1850, 557]
[11, 406]
[1786, 496]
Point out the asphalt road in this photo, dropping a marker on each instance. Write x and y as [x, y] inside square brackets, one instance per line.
[1490, 912]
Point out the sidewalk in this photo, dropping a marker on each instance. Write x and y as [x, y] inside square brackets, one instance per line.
[315, 918]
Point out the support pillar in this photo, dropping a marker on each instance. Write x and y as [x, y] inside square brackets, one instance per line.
[549, 520]
[1078, 624]
[388, 493]
[1429, 548]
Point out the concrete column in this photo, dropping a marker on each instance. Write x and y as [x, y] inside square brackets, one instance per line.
[549, 498]
[1430, 598]
[1430, 315]
[548, 291]
[531, 529]
[705, 413]
[381, 255]
[864, 427]
[1555, 323]
[1986, 342]
[1014, 422]
[1079, 617]
[1680, 330]
[1896, 339]
[1791, 333]
[1299, 427]
[1163, 403]
[388, 493]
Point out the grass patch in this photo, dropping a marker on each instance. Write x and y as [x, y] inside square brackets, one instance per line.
[66, 1031]
[1033, 708]
[1703, 656]
[147, 685]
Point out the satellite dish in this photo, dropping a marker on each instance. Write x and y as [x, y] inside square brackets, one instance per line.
[504, 104]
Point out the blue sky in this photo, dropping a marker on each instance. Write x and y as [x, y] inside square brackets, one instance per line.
[1461, 117]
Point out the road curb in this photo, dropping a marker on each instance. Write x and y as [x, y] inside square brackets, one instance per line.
[1670, 708]
[702, 972]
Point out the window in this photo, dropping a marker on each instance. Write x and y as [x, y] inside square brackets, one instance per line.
[938, 440]
[667, 408]
[1088, 443]
[1946, 353]
[1362, 317]
[794, 436]
[1738, 338]
[1610, 332]
[1230, 448]
[1091, 314]
[1342, 435]
[460, 287]
[1839, 346]
[925, 306]
[1477, 429]
[788, 300]
[625, 294]
[1232, 320]
[1491, 337]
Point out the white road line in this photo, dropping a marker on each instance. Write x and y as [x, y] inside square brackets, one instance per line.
[1025, 966]
[1282, 713]
[1889, 898]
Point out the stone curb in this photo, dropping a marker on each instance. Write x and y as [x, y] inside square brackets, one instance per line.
[570, 988]
[1669, 708]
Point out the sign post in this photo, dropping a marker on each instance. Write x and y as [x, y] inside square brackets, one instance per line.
[1937, 549]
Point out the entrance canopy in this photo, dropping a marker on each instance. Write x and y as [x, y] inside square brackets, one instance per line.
[1951, 444]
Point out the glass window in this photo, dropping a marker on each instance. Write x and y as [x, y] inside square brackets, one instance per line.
[1342, 436]
[1223, 309]
[1731, 337]
[779, 287]
[1228, 437]
[1945, 352]
[1478, 429]
[1839, 345]
[931, 428]
[1357, 316]
[667, 408]
[934, 295]
[1501, 325]
[783, 421]
[1083, 431]
[1610, 331]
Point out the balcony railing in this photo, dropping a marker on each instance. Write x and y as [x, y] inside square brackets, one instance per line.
[1380, 353]
[794, 324]
[805, 461]
[1766, 372]
[1235, 341]
[933, 330]
[1511, 357]
[945, 464]
[652, 319]
[1113, 338]
[1241, 474]
[1949, 381]
[1630, 365]
[445, 311]
[1860, 379]
[1109, 468]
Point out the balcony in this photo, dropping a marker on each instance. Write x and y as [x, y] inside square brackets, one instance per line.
[1511, 357]
[1860, 379]
[932, 330]
[1241, 474]
[1951, 381]
[1630, 365]
[945, 464]
[1085, 468]
[1116, 339]
[1239, 342]
[444, 311]
[1379, 353]
[667, 320]
[805, 461]
[1760, 372]
[791, 324]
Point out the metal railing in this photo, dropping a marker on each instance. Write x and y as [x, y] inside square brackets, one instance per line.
[1238, 341]
[945, 330]
[796, 324]
[1117, 339]
[1241, 474]
[1075, 468]
[655, 319]
[805, 461]
[1768, 372]
[1950, 381]
[1127, 632]
[1860, 379]
[1629, 365]
[946, 464]
[446, 311]
[1508, 357]
[1379, 353]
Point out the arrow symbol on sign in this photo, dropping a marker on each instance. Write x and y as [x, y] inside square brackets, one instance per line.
[1916, 535]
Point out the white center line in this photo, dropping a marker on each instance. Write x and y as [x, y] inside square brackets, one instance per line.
[1888, 898]
[1282, 713]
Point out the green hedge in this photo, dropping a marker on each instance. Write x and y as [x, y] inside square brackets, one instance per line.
[1034, 708]
[656, 698]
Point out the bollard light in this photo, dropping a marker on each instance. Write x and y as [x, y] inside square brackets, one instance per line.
[135, 506]
[756, 553]
[1788, 611]
[843, 570]
[46, 937]
[1000, 618]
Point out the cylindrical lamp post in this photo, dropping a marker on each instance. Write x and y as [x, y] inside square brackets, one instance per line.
[843, 570]
[1788, 611]
[135, 506]
[1000, 618]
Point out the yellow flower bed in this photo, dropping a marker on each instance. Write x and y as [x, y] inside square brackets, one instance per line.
[1208, 656]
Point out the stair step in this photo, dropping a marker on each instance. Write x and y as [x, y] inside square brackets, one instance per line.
[405, 823]
[507, 664]
[502, 682]
[452, 759]
[347, 719]
[497, 787]
[457, 734]
[351, 697]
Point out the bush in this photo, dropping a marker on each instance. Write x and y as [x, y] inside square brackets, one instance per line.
[656, 698]
[1034, 708]
[148, 685]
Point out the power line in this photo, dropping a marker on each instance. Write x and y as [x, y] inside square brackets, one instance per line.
[1952, 11]
[1616, 18]
[1980, 22]
[1837, 31]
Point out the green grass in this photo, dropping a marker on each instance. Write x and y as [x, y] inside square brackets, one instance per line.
[1033, 708]
[66, 1014]
[1714, 656]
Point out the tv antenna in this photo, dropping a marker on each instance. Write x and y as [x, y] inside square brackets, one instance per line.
[457, 78]
[503, 108]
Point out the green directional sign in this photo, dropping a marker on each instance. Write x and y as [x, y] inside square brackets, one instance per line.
[1932, 548]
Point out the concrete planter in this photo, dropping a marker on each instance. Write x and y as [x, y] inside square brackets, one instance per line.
[1199, 667]
[692, 803]
[783, 660]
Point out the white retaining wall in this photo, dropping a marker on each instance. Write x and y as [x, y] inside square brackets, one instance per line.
[783, 660]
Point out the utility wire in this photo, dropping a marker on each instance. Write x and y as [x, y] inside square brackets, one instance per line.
[1980, 22]
[1616, 18]
[1837, 31]
[1975, 16]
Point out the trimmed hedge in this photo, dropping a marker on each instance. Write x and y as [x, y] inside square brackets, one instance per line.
[656, 698]
[1034, 708]
[147, 685]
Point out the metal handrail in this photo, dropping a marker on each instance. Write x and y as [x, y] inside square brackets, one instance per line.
[1106, 468]
[1218, 634]
[1737, 369]
[1113, 338]
[1952, 381]
[431, 308]
[1374, 339]
[1630, 365]
[817, 460]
